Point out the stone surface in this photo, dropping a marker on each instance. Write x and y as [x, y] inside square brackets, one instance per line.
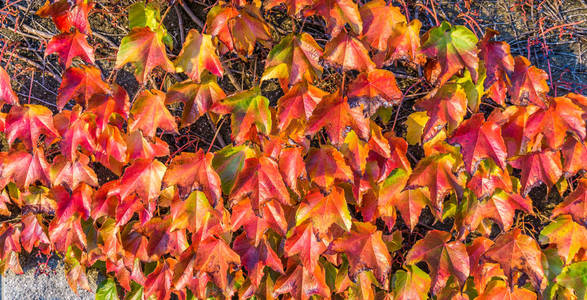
[48, 285]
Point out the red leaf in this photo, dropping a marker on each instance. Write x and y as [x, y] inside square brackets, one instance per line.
[436, 173]
[28, 122]
[77, 129]
[575, 203]
[553, 123]
[337, 13]
[158, 282]
[498, 60]
[409, 202]
[334, 114]
[81, 84]
[574, 156]
[443, 258]
[324, 211]
[33, 233]
[528, 83]
[64, 233]
[216, 258]
[140, 147]
[404, 43]
[515, 251]
[24, 169]
[539, 167]
[197, 55]
[255, 226]
[298, 103]
[325, 165]
[480, 139]
[7, 95]
[197, 98]
[304, 241]
[301, 282]
[256, 258]
[70, 45]
[379, 22]
[190, 171]
[500, 207]
[145, 50]
[143, 177]
[79, 201]
[347, 52]
[375, 88]
[261, 181]
[148, 113]
[365, 249]
[445, 106]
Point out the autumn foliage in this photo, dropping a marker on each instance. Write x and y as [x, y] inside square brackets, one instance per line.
[317, 193]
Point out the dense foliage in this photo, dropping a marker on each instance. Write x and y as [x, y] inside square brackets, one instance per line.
[316, 194]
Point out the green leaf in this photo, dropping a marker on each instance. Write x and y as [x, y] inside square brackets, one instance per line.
[149, 15]
[107, 290]
[574, 277]
[228, 162]
[136, 292]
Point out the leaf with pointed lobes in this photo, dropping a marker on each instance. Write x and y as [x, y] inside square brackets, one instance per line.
[193, 171]
[143, 177]
[334, 114]
[436, 173]
[28, 122]
[488, 178]
[33, 233]
[446, 106]
[295, 59]
[76, 202]
[110, 108]
[197, 98]
[497, 289]
[256, 257]
[158, 283]
[196, 215]
[408, 202]
[255, 226]
[497, 58]
[337, 13]
[528, 83]
[65, 233]
[500, 207]
[215, 258]
[552, 123]
[411, 284]
[325, 165]
[228, 162]
[292, 167]
[77, 128]
[80, 84]
[575, 204]
[444, 258]
[324, 211]
[347, 52]
[198, 55]
[65, 16]
[149, 112]
[105, 200]
[455, 47]
[140, 147]
[70, 45]
[301, 282]
[379, 22]
[514, 121]
[298, 103]
[9, 243]
[365, 250]
[567, 236]
[480, 139]
[250, 114]
[404, 43]
[574, 154]
[375, 88]
[538, 167]
[573, 277]
[7, 94]
[24, 168]
[294, 7]
[144, 49]
[238, 28]
[514, 251]
[303, 240]
[261, 181]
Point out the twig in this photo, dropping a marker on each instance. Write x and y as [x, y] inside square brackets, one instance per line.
[191, 14]
[36, 65]
[180, 24]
